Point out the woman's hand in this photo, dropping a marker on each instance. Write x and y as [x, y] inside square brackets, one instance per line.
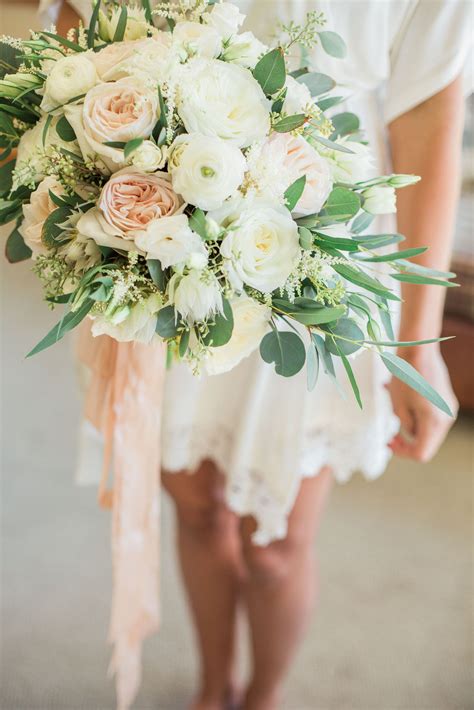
[423, 427]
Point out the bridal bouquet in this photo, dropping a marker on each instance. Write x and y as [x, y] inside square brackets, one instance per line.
[175, 179]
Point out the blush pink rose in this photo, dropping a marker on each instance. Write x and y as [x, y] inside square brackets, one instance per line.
[36, 211]
[302, 159]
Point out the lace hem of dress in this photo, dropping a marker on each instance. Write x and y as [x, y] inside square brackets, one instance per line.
[247, 489]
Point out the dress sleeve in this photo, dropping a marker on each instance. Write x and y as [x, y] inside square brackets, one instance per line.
[49, 10]
[432, 48]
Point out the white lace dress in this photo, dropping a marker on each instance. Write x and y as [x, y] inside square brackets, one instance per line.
[266, 432]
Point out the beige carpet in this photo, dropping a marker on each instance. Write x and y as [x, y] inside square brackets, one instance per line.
[394, 627]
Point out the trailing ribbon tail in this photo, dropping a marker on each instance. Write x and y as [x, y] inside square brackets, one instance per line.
[123, 401]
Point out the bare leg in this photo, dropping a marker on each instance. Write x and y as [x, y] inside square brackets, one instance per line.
[280, 592]
[209, 551]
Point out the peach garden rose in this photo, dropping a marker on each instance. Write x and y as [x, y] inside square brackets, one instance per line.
[36, 211]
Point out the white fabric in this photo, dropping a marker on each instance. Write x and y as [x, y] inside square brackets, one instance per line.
[265, 432]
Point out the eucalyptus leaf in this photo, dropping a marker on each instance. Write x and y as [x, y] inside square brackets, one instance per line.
[157, 273]
[344, 124]
[342, 203]
[220, 332]
[341, 336]
[67, 323]
[317, 83]
[308, 312]
[168, 323]
[286, 350]
[324, 356]
[329, 102]
[426, 271]
[426, 280]
[332, 145]
[64, 130]
[15, 249]
[197, 222]
[362, 279]
[6, 177]
[352, 379]
[405, 372]
[184, 343]
[312, 366]
[393, 256]
[333, 44]
[362, 222]
[290, 123]
[306, 238]
[270, 71]
[131, 146]
[294, 192]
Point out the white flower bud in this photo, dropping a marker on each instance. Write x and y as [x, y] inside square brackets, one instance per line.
[379, 199]
[403, 180]
[149, 157]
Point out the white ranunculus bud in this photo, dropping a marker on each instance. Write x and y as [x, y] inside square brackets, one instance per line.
[379, 199]
[206, 170]
[226, 18]
[192, 38]
[196, 296]
[244, 49]
[251, 323]
[216, 98]
[130, 323]
[71, 76]
[169, 239]
[149, 157]
[261, 247]
[398, 181]
[137, 27]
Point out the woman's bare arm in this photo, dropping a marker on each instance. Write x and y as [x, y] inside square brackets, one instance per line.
[427, 141]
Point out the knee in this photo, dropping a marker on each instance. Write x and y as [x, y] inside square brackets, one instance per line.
[202, 519]
[276, 562]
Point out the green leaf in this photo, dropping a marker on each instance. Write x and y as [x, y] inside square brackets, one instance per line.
[289, 123]
[46, 129]
[317, 83]
[406, 373]
[6, 177]
[324, 356]
[344, 124]
[163, 109]
[294, 192]
[131, 146]
[426, 280]
[307, 311]
[358, 304]
[306, 238]
[148, 13]
[197, 222]
[332, 145]
[52, 228]
[340, 335]
[393, 256]
[16, 249]
[342, 203]
[121, 25]
[157, 273]
[333, 44]
[284, 349]
[385, 317]
[407, 343]
[184, 343]
[312, 366]
[120, 145]
[220, 332]
[64, 130]
[65, 42]
[325, 104]
[361, 222]
[342, 243]
[376, 241]
[70, 321]
[270, 71]
[425, 271]
[168, 323]
[352, 379]
[362, 279]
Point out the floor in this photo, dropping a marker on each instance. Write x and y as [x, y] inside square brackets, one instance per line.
[394, 626]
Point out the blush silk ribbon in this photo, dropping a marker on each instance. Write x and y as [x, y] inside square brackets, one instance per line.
[124, 402]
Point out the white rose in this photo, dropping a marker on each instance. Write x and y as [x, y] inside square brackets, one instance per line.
[261, 247]
[251, 323]
[192, 38]
[149, 157]
[134, 323]
[136, 27]
[31, 150]
[71, 76]
[196, 296]
[380, 199]
[245, 49]
[225, 18]
[117, 111]
[349, 167]
[224, 100]
[298, 96]
[169, 239]
[206, 170]
[146, 59]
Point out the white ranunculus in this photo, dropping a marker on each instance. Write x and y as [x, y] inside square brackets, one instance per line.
[224, 100]
[196, 296]
[225, 18]
[71, 76]
[348, 167]
[193, 39]
[31, 150]
[171, 240]
[251, 323]
[134, 323]
[261, 247]
[298, 96]
[206, 170]
[380, 199]
[149, 157]
[245, 49]
[136, 27]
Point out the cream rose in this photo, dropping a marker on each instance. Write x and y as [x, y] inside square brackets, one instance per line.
[251, 323]
[171, 240]
[116, 111]
[226, 18]
[261, 247]
[146, 58]
[70, 76]
[130, 323]
[193, 39]
[196, 296]
[128, 203]
[206, 170]
[244, 49]
[223, 100]
[36, 211]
